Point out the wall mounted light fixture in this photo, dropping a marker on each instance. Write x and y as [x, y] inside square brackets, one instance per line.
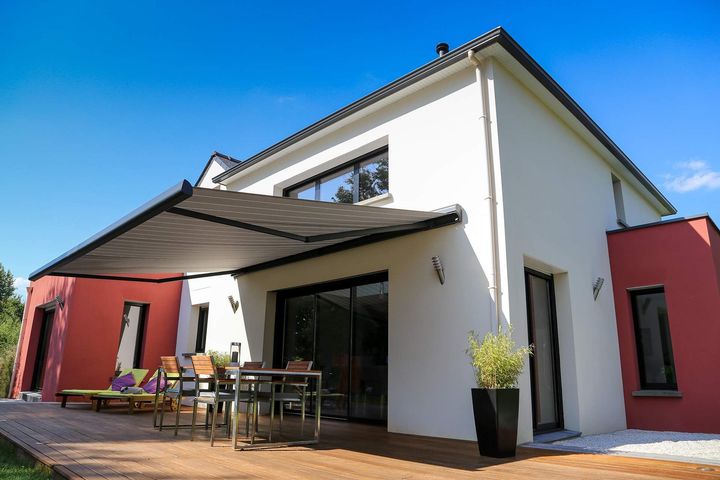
[437, 265]
[60, 302]
[597, 286]
[235, 304]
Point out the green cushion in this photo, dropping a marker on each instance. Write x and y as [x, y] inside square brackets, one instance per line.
[121, 396]
[82, 392]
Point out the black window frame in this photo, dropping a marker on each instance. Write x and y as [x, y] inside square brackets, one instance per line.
[201, 340]
[666, 343]
[354, 163]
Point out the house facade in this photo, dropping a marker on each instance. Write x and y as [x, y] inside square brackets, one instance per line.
[471, 194]
[539, 186]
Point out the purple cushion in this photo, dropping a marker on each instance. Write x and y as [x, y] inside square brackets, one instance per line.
[124, 381]
[153, 384]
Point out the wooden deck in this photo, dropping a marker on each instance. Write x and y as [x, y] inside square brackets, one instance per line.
[80, 443]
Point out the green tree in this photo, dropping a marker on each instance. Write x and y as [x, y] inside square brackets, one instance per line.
[372, 181]
[11, 310]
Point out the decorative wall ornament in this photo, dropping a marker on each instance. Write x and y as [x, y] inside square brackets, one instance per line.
[437, 265]
[235, 304]
[597, 286]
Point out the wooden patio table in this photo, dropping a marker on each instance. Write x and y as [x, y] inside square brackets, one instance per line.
[259, 374]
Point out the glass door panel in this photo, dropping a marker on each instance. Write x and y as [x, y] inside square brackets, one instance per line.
[299, 329]
[370, 351]
[544, 365]
[332, 349]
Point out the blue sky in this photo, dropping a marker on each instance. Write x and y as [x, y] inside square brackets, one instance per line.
[103, 105]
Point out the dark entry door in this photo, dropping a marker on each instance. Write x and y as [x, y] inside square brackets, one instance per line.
[544, 364]
[42, 350]
[343, 328]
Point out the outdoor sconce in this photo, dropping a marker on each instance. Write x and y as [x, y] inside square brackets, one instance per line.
[437, 265]
[597, 286]
[60, 302]
[235, 304]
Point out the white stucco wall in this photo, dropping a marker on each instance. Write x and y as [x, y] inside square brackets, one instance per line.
[224, 325]
[557, 203]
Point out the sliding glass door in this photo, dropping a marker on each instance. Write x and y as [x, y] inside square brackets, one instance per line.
[342, 328]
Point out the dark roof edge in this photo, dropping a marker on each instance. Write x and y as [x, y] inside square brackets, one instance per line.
[229, 162]
[497, 35]
[700, 216]
[509, 44]
[157, 205]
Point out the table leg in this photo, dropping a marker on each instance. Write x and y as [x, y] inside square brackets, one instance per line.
[237, 410]
[317, 408]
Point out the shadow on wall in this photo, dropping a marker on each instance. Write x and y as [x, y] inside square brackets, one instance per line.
[428, 322]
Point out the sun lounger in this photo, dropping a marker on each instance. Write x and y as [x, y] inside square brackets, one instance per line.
[137, 373]
[133, 399]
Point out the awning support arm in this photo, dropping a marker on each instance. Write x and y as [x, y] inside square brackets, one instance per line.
[444, 220]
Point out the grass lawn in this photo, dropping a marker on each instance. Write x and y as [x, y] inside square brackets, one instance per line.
[13, 467]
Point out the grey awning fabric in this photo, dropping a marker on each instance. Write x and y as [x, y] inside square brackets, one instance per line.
[190, 229]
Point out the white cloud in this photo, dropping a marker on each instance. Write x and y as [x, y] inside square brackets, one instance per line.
[20, 285]
[692, 175]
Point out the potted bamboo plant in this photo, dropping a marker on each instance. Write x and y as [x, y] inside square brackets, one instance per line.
[497, 364]
[221, 360]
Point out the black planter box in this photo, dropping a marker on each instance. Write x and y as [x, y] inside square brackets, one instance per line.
[496, 420]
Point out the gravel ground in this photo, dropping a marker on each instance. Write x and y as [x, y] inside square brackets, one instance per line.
[695, 445]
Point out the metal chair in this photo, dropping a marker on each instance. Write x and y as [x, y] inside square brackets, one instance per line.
[174, 390]
[206, 372]
[250, 410]
[298, 393]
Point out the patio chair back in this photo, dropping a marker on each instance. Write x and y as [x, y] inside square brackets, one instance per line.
[203, 365]
[171, 366]
[253, 364]
[299, 365]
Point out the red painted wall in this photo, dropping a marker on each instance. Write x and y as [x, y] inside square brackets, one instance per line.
[684, 256]
[86, 332]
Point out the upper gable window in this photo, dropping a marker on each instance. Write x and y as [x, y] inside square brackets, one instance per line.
[360, 179]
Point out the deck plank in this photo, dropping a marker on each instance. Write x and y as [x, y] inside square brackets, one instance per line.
[113, 444]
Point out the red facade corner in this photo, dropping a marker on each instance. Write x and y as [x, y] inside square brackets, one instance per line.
[684, 258]
[82, 343]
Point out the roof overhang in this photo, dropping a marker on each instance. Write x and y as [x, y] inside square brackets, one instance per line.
[218, 232]
[497, 43]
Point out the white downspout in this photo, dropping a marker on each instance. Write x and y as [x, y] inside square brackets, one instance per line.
[495, 289]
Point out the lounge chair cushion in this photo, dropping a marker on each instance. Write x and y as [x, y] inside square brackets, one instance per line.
[123, 381]
[154, 383]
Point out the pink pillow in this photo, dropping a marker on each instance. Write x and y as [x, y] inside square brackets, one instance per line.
[124, 381]
[153, 384]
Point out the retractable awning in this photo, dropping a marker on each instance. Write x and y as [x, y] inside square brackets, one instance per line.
[191, 229]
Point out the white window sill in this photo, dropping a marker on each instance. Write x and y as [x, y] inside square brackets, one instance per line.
[657, 393]
[379, 200]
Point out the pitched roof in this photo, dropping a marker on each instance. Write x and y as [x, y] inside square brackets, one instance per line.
[497, 36]
[225, 161]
